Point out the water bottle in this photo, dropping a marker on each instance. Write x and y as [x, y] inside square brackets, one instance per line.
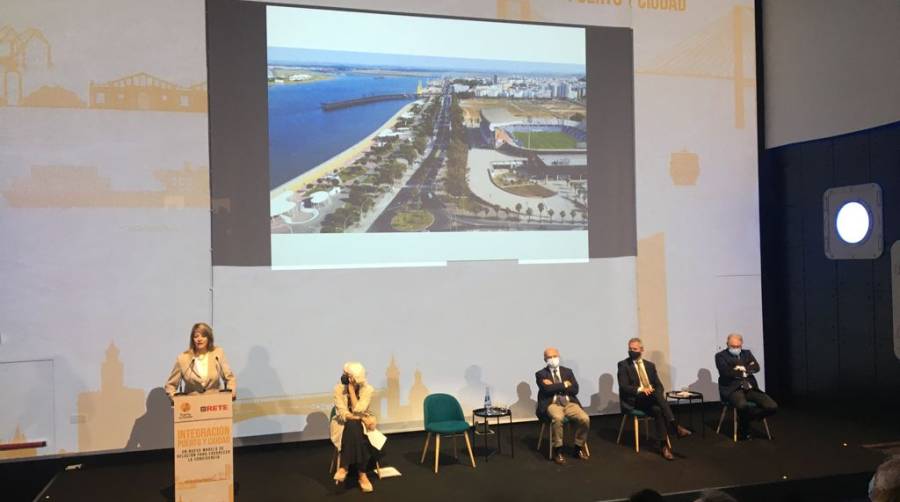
[487, 398]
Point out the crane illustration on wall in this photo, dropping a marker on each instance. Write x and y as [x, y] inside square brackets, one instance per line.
[14, 59]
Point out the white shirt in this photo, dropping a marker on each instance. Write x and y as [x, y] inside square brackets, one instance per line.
[201, 366]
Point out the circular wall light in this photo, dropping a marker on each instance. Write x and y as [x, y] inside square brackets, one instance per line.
[853, 222]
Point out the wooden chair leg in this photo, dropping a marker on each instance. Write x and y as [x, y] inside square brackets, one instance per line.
[637, 436]
[540, 436]
[437, 451]
[621, 429]
[734, 425]
[587, 449]
[766, 423]
[455, 450]
[721, 419]
[335, 459]
[469, 447]
[425, 449]
[668, 441]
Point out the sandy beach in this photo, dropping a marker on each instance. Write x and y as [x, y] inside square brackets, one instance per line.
[339, 161]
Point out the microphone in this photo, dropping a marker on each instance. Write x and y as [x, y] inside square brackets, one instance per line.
[221, 374]
[202, 389]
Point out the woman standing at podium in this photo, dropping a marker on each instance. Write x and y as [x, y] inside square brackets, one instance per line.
[353, 425]
[201, 366]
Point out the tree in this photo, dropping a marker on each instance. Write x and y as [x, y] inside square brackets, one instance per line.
[407, 152]
[550, 214]
[529, 212]
[562, 216]
[419, 144]
[519, 207]
[367, 205]
[572, 215]
[541, 207]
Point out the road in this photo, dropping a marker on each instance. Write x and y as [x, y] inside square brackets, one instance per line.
[420, 186]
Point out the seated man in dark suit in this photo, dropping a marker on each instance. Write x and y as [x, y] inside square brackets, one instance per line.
[557, 390]
[738, 386]
[641, 389]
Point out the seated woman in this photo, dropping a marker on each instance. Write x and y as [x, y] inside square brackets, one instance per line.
[201, 366]
[353, 426]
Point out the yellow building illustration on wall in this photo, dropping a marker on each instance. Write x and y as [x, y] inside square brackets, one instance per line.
[146, 92]
[107, 415]
[397, 412]
[18, 438]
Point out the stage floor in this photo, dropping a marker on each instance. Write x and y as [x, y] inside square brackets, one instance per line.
[807, 444]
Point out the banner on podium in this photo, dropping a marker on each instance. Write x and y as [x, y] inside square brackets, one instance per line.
[203, 448]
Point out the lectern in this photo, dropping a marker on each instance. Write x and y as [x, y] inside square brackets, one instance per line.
[203, 457]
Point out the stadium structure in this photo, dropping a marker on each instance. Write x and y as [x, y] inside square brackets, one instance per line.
[547, 146]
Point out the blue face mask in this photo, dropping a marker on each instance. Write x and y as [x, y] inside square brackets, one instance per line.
[734, 352]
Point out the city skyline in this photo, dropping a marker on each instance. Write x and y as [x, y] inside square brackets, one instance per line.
[304, 56]
[323, 29]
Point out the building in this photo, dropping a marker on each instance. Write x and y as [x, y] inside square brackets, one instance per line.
[397, 412]
[493, 119]
[106, 416]
[143, 91]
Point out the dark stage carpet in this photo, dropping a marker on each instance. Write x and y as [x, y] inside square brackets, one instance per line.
[814, 456]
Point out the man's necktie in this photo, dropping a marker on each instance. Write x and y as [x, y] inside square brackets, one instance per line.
[560, 400]
[642, 375]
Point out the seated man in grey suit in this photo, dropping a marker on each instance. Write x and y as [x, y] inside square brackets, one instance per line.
[557, 391]
[738, 386]
[640, 388]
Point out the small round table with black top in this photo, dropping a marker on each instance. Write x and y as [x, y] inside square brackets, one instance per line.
[690, 396]
[487, 414]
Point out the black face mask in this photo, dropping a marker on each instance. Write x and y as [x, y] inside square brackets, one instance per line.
[634, 356]
[345, 380]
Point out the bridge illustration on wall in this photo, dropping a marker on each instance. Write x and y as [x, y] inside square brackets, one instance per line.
[722, 50]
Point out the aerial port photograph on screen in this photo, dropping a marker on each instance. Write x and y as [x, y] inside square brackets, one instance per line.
[406, 124]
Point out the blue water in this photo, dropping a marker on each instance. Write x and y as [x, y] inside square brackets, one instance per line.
[302, 136]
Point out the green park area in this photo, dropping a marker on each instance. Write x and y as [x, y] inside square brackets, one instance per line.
[415, 220]
[545, 140]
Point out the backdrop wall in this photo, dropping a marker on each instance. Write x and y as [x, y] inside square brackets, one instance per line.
[830, 67]
[828, 323]
[105, 209]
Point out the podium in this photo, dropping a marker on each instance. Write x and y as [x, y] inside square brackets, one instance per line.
[204, 467]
